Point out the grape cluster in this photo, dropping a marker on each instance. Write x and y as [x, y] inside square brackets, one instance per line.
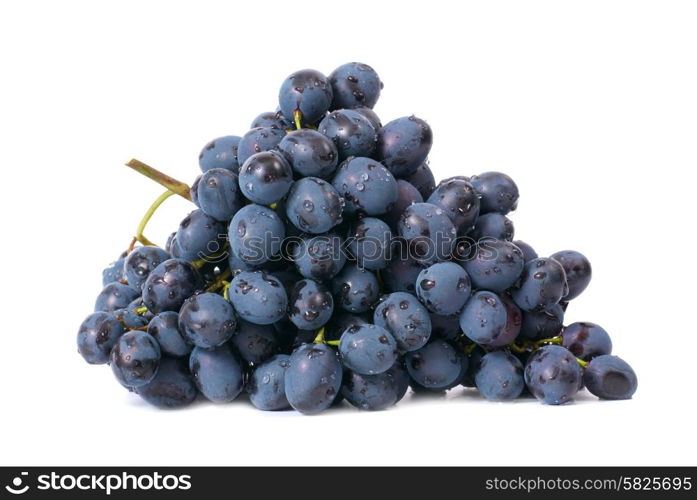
[323, 263]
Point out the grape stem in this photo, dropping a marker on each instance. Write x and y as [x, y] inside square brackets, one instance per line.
[298, 116]
[333, 342]
[582, 363]
[518, 348]
[177, 187]
[146, 218]
[551, 340]
[220, 282]
[141, 310]
[319, 339]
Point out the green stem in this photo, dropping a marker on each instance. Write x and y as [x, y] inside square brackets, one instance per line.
[220, 282]
[333, 342]
[582, 363]
[141, 310]
[518, 348]
[319, 339]
[469, 349]
[177, 187]
[551, 340]
[298, 116]
[146, 218]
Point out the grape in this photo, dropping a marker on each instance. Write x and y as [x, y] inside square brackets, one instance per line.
[354, 84]
[258, 297]
[586, 340]
[493, 225]
[140, 262]
[351, 133]
[435, 366]
[265, 177]
[428, 231]
[404, 144]
[114, 271]
[498, 192]
[135, 358]
[460, 202]
[255, 234]
[342, 320]
[319, 257]
[314, 206]
[218, 194]
[405, 318]
[130, 318]
[165, 329]
[98, 333]
[400, 275]
[610, 377]
[271, 119]
[172, 387]
[372, 117]
[355, 289]
[484, 318]
[258, 140]
[370, 241]
[553, 375]
[367, 186]
[422, 179]
[495, 266]
[577, 269]
[311, 305]
[529, 252]
[443, 288]
[499, 376]
[307, 91]
[367, 349]
[255, 343]
[542, 324]
[375, 392]
[267, 387]
[310, 153]
[199, 235]
[542, 284]
[217, 373]
[115, 296]
[313, 378]
[220, 153]
[169, 285]
[207, 320]
[406, 195]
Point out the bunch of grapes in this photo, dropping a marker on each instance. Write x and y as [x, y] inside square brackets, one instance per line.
[324, 264]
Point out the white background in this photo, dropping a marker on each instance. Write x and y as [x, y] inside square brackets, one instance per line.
[590, 106]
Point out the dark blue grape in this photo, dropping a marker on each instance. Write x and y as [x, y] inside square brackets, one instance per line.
[500, 376]
[542, 324]
[114, 271]
[405, 318]
[406, 195]
[493, 225]
[255, 234]
[272, 119]
[351, 133]
[553, 375]
[610, 377]
[577, 269]
[542, 284]
[97, 335]
[313, 378]
[218, 194]
[445, 327]
[265, 177]
[404, 144]
[319, 257]
[586, 340]
[428, 231]
[220, 153]
[529, 252]
[435, 366]
[255, 343]
[115, 296]
[490, 320]
[355, 289]
[131, 318]
[169, 285]
[310, 153]
[354, 84]
[498, 192]
[367, 186]
[443, 288]
[314, 206]
[258, 297]
[367, 349]
[372, 117]
[165, 329]
[460, 202]
[135, 358]
[310, 305]
[199, 235]
[267, 386]
[370, 243]
[400, 274]
[217, 373]
[258, 140]
[422, 179]
[172, 387]
[307, 91]
[375, 392]
[495, 266]
[140, 262]
[341, 321]
[207, 320]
